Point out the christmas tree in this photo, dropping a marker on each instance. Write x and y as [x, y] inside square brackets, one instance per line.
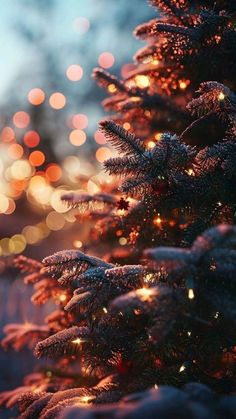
[165, 314]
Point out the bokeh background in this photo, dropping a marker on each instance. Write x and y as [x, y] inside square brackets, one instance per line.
[49, 143]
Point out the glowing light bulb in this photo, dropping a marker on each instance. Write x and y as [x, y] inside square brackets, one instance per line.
[157, 221]
[182, 368]
[190, 294]
[151, 144]
[221, 96]
[77, 341]
[142, 81]
[62, 297]
[145, 293]
[105, 310]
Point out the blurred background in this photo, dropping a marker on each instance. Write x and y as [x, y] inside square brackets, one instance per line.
[49, 143]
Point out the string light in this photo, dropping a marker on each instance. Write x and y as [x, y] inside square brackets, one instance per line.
[142, 81]
[105, 310]
[190, 294]
[77, 341]
[221, 96]
[157, 221]
[182, 368]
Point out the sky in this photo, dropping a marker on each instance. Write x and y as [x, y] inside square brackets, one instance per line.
[41, 38]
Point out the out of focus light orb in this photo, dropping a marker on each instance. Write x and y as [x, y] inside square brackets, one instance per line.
[31, 139]
[102, 154]
[21, 119]
[53, 172]
[15, 151]
[99, 137]
[36, 96]
[81, 25]
[21, 169]
[17, 244]
[80, 121]
[106, 59]
[55, 221]
[7, 134]
[77, 137]
[74, 72]
[57, 100]
[36, 158]
[4, 203]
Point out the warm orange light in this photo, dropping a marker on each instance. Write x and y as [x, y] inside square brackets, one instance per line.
[57, 100]
[151, 144]
[7, 134]
[106, 59]
[15, 151]
[36, 158]
[36, 96]
[31, 139]
[53, 172]
[103, 153]
[112, 88]
[157, 221]
[77, 137]
[142, 81]
[21, 119]
[126, 126]
[74, 72]
[80, 121]
[100, 138]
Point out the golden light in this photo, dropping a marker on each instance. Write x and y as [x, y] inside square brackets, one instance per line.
[53, 172]
[77, 137]
[17, 244]
[182, 84]
[81, 25]
[158, 136]
[182, 368]
[99, 137]
[190, 172]
[15, 151]
[56, 202]
[55, 221]
[32, 234]
[39, 190]
[62, 297]
[142, 81]
[80, 121]
[21, 169]
[103, 153]
[221, 96]
[36, 158]
[122, 241]
[21, 119]
[7, 134]
[74, 72]
[36, 96]
[57, 100]
[106, 59]
[4, 203]
[157, 221]
[190, 294]
[77, 244]
[145, 293]
[86, 399]
[105, 310]
[31, 139]
[151, 144]
[112, 88]
[77, 341]
[126, 126]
